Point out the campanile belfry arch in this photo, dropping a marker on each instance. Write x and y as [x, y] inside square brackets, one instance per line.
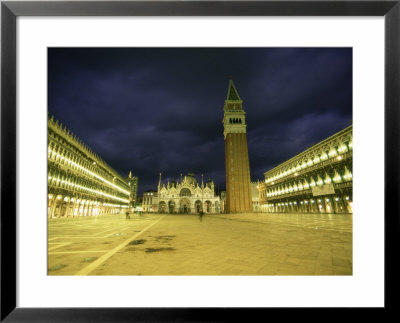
[238, 187]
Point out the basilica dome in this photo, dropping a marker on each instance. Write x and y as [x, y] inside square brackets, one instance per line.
[190, 179]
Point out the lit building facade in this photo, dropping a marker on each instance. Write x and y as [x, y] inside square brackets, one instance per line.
[255, 200]
[318, 180]
[237, 169]
[80, 183]
[187, 196]
[133, 182]
[223, 201]
[149, 202]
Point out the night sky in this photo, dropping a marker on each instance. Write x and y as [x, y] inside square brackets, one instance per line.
[160, 110]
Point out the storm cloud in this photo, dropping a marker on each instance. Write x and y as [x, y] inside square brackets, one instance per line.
[153, 110]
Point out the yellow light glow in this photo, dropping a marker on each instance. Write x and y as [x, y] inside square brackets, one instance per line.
[96, 175]
[337, 179]
[98, 192]
[332, 152]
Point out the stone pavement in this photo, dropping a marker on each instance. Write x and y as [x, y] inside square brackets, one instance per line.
[223, 244]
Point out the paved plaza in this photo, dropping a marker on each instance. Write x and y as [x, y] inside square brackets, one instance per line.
[223, 244]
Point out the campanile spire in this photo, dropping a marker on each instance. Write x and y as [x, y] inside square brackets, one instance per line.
[237, 169]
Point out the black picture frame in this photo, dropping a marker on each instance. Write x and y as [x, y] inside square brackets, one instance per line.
[10, 10]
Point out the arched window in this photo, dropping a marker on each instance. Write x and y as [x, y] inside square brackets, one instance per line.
[185, 192]
[54, 153]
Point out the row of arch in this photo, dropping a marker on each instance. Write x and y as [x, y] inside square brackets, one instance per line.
[341, 203]
[64, 206]
[186, 192]
[58, 179]
[77, 185]
[185, 206]
[235, 120]
[335, 151]
[329, 177]
[62, 144]
[65, 154]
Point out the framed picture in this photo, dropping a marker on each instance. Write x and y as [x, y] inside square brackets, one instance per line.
[213, 298]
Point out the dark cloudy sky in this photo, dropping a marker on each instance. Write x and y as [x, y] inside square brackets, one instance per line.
[160, 110]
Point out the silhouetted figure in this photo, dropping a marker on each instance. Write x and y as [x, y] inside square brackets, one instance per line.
[201, 213]
[127, 215]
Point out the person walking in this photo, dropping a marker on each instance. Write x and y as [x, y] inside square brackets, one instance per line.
[201, 213]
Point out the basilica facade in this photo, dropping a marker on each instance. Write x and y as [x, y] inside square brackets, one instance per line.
[187, 196]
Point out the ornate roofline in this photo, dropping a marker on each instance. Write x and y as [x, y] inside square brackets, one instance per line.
[311, 149]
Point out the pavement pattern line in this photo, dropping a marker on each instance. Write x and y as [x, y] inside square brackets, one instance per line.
[60, 245]
[102, 232]
[113, 232]
[85, 271]
[88, 237]
[77, 251]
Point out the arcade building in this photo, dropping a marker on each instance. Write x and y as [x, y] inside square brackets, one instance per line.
[318, 180]
[80, 183]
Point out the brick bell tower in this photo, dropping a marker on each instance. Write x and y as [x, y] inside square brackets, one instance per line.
[238, 187]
